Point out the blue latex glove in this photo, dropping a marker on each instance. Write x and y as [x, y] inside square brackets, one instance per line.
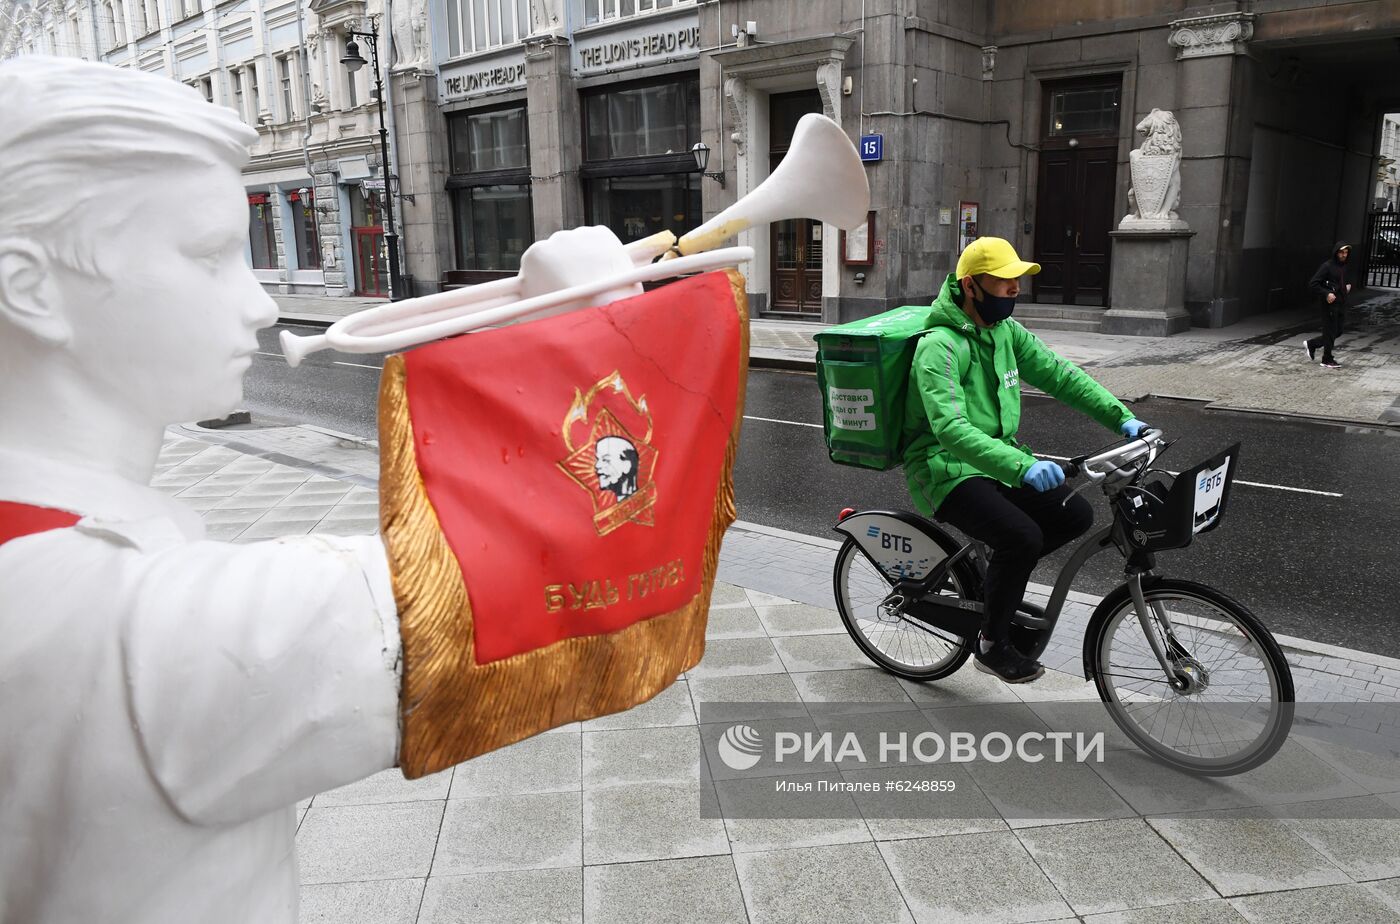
[1132, 428]
[1044, 475]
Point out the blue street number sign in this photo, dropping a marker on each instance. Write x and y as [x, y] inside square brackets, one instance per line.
[872, 147]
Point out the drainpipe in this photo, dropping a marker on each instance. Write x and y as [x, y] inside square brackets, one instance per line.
[392, 168]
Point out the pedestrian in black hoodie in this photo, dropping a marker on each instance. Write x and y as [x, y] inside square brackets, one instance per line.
[1330, 285]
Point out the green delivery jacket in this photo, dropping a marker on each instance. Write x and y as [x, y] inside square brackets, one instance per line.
[964, 401]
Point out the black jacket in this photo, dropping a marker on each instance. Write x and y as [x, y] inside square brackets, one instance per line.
[1331, 277]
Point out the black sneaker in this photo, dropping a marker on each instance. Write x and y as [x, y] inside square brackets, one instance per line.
[1002, 660]
[1330, 364]
[1310, 350]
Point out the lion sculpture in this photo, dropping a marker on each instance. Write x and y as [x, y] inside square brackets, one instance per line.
[1156, 175]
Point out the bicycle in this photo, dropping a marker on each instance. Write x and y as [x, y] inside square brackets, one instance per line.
[1201, 667]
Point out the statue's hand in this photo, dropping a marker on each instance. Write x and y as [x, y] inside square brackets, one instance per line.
[575, 257]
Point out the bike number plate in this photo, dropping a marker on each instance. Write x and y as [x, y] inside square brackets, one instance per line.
[901, 550]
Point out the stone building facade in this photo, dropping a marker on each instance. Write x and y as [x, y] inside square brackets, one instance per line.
[315, 184]
[516, 118]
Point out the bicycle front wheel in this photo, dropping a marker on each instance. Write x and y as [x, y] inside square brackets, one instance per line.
[1232, 705]
[900, 644]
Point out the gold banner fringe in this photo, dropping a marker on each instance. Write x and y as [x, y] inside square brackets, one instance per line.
[452, 708]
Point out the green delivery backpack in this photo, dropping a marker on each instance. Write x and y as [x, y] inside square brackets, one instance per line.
[863, 371]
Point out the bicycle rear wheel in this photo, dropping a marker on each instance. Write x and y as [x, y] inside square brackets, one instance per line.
[1237, 706]
[900, 644]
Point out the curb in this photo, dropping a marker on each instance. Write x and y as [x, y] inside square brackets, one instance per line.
[307, 320]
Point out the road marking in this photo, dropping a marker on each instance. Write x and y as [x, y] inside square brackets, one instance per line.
[356, 365]
[791, 423]
[278, 355]
[1252, 484]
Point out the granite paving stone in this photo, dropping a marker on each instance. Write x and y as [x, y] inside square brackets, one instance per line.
[534, 831]
[733, 622]
[801, 653]
[800, 619]
[1240, 853]
[626, 757]
[1207, 912]
[1338, 904]
[1113, 866]
[357, 843]
[972, 878]
[840, 884]
[393, 901]
[626, 824]
[544, 763]
[700, 889]
[1361, 836]
[727, 657]
[511, 897]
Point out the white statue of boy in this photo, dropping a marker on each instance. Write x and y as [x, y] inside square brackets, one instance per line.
[166, 700]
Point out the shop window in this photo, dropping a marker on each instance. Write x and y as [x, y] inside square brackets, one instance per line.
[494, 226]
[603, 10]
[475, 25]
[489, 187]
[304, 229]
[261, 237]
[495, 140]
[1084, 111]
[635, 207]
[643, 121]
[639, 175]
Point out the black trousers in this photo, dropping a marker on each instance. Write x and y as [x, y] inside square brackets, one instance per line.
[1331, 329]
[1018, 525]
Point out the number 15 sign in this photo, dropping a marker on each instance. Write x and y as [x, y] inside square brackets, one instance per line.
[872, 147]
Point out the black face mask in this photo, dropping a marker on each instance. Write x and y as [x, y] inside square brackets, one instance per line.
[993, 309]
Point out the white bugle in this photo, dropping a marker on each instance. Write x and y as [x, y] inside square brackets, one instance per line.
[820, 178]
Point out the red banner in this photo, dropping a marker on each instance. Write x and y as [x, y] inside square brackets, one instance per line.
[573, 462]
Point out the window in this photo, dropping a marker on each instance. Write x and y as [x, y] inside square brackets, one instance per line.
[152, 15]
[1084, 111]
[116, 35]
[635, 207]
[284, 79]
[304, 228]
[639, 175]
[255, 113]
[602, 10]
[235, 80]
[490, 189]
[475, 25]
[489, 141]
[261, 237]
[206, 86]
[643, 121]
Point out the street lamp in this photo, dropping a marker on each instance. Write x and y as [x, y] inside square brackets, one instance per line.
[701, 152]
[353, 61]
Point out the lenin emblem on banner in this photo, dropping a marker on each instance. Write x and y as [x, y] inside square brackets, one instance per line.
[607, 433]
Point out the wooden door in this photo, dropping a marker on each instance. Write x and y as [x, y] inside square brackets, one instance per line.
[1075, 209]
[797, 266]
[796, 244]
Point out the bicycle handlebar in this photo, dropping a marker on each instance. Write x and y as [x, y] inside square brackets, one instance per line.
[1113, 462]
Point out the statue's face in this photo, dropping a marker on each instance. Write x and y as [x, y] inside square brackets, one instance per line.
[172, 330]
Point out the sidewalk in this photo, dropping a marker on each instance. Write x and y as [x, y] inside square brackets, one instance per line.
[1256, 365]
[599, 821]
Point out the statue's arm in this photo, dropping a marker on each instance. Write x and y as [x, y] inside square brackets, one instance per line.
[261, 674]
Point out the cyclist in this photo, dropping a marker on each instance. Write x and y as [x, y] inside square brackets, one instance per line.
[962, 461]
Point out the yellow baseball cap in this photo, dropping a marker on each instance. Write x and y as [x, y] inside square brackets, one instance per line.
[995, 257]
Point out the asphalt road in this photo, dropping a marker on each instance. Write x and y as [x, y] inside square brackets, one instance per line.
[1311, 544]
